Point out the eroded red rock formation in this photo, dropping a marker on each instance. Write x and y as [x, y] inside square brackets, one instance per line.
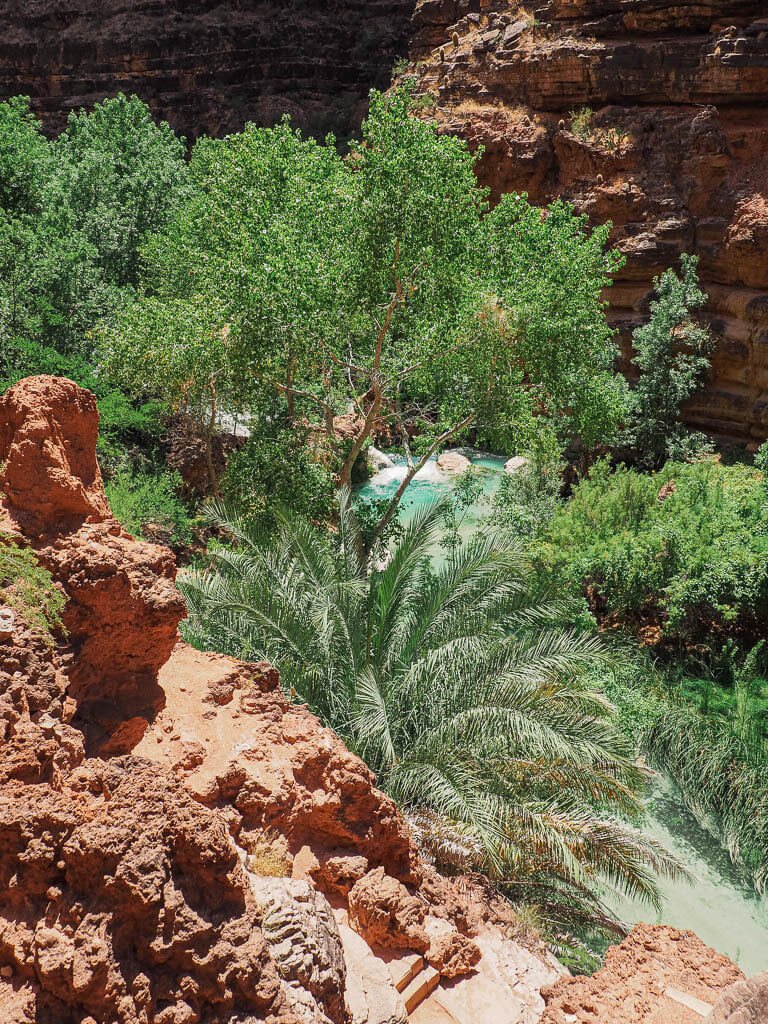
[181, 875]
[205, 66]
[646, 980]
[123, 609]
[674, 154]
[225, 859]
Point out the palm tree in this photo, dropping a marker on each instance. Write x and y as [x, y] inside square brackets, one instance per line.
[457, 686]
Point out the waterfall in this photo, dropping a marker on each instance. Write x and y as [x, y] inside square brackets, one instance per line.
[378, 459]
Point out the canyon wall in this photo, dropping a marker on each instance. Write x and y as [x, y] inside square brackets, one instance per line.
[674, 154]
[206, 66]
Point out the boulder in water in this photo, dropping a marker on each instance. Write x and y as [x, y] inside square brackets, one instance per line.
[453, 462]
[515, 464]
[378, 460]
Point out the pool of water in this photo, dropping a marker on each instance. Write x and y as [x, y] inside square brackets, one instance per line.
[721, 906]
[431, 483]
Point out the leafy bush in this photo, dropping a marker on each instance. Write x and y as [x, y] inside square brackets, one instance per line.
[684, 551]
[400, 67]
[28, 589]
[73, 213]
[580, 122]
[142, 500]
[672, 354]
[278, 467]
[527, 499]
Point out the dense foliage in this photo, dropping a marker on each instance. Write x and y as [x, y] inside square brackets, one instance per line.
[376, 283]
[683, 551]
[672, 358]
[73, 213]
[458, 687]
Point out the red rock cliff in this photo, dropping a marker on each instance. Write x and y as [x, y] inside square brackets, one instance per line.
[675, 153]
[206, 66]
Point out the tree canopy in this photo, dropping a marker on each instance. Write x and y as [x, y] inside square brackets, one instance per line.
[377, 283]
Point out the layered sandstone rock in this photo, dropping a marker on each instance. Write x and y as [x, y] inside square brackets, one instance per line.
[674, 154]
[207, 66]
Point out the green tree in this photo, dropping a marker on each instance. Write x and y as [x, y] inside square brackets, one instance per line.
[459, 689]
[118, 176]
[73, 213]
[672, 355]
[377, 284]
[25, 158]
[190, 370]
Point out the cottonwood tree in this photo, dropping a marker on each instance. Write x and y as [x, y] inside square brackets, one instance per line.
[379, 283]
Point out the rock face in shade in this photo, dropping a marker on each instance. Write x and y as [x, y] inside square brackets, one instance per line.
[675, 155]
[206, 66]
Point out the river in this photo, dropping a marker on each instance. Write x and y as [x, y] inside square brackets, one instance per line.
[720, 906]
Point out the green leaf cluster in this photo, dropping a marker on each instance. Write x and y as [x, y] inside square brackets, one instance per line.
[685, 549]
[672, 356]
[73, 213]
[29, 590]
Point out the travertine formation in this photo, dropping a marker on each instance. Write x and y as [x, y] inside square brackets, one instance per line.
[674, 153]
[206, 66]
[655, 976]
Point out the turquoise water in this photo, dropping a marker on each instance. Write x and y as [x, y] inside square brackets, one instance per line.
[431, 483]
[720, 907]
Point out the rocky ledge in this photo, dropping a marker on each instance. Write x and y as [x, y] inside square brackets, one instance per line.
[674, 153]
[181, 844]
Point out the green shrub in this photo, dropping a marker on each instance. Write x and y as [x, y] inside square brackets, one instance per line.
[277, 467]
[672, 355]
[29, 589]
[526, 500]
[400, 67]
[143, 498]
[580, 122]
[684, 550]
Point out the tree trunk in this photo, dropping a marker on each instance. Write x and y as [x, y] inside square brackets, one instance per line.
[209, 433]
